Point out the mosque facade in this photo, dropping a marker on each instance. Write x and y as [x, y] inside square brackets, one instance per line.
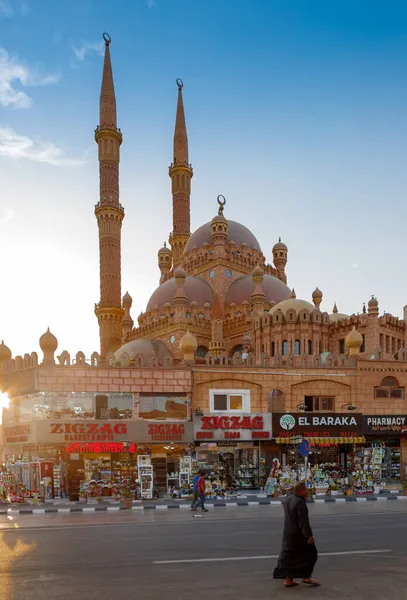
[223, 351]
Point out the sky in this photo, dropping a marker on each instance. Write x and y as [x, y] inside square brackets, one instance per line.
[296, 113]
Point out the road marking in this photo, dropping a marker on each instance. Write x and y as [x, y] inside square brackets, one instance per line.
[265, 557]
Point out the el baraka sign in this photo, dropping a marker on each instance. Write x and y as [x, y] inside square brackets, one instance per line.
[317, 424]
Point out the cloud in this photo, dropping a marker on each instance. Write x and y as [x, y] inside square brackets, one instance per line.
[88, 48]
[11, 8]
[13, 72]
[6, 214]
[14, 145]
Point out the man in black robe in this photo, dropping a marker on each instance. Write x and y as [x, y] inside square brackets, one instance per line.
[298, 552]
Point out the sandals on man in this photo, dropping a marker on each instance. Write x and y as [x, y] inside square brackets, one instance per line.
[312, 582]
[293, 584]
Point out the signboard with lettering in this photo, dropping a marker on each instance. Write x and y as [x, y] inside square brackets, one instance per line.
[317, 424]
[100, 448]
[17, 434]
[166, 432]
[221, 427]
[380, 424]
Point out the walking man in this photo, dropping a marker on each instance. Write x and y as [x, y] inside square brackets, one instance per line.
[201, 486]
[298, 553]
[195, 492]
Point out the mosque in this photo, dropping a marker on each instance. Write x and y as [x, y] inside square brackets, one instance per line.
[215, 282]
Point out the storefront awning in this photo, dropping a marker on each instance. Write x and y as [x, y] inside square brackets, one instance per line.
[325, 441]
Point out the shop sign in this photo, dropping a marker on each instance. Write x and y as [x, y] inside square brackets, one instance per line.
[166, 432]
[317, 424]
[108, 448]
[19, 433]
[232, 427]
[89, 431]
[378, 424]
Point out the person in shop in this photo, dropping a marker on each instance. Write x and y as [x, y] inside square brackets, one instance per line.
[298, 554]
[201, 488]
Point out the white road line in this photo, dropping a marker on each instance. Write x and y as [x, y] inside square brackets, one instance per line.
[265, 557]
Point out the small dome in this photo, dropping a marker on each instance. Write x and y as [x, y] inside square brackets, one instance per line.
[280, 245]
[236, 231]
[373, 302]
[127, 299]
[5, 352]
[219, 219]
[188, 344]
[195, 288]
[337, 316]
[48, 342]
[353, 341]
[292, 304]
[179, 273]
[241, 289]
[316, 294]
[164, 250]
[147, 349]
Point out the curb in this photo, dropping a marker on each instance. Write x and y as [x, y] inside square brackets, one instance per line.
[96, 509]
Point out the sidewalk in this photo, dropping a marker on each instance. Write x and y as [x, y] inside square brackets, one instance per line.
[66, 507]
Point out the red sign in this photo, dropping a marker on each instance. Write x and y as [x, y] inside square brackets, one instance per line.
[94, 432]
[112, 448]
[233, 427]
[232, 422]
[166, 432]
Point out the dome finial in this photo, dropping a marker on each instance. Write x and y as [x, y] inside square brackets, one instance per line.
[188, 345]
[354, 341]
[293, 294]
[335, 309]
[221, 201]
[5, 352]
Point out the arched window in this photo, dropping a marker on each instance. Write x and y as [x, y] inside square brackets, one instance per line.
[276, 401]
[273, 348]
[285, 348]
[297, 347]
[389, 388]
[201, 352]
[310, 347]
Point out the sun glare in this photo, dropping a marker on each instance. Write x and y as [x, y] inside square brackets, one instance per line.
[4, 403]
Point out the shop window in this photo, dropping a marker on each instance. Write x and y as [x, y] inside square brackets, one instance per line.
[297, 348]
[163, 406]
[229, 400]
[319, 404]
[389, 388]
[285, 348]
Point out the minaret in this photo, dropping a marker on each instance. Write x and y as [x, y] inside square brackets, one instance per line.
[109, 214]
[181, 174]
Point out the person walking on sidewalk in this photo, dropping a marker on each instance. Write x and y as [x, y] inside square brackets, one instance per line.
[298, 553]
[201, 487]
[195, 492]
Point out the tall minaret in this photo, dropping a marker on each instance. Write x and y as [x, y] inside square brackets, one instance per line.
[109, 214]
[181, 175]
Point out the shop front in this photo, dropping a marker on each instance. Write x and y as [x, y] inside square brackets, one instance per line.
[228, 448]
[386, 437]
[334, 440]
[85, 459]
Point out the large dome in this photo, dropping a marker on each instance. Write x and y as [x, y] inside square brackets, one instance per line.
[243, 287]
[293, 304]
[147, 349]
[195, 288]
[237, 233]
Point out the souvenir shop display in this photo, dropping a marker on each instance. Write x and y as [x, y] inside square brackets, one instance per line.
[145, 476]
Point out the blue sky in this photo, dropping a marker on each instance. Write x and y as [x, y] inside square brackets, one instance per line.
[296, 113]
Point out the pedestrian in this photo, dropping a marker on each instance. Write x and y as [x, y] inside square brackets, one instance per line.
[298, 552]
[195, 492]
[201, 487]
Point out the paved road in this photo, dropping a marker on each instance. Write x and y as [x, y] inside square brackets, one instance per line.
[223, 555]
